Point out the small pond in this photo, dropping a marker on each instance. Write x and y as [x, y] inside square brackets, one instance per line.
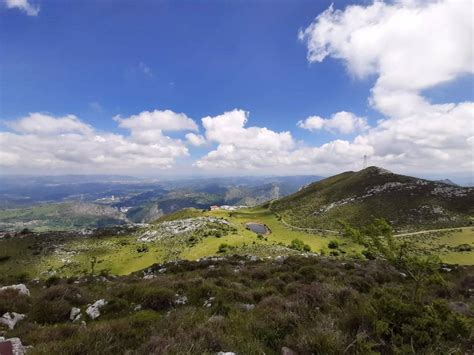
[258, 228]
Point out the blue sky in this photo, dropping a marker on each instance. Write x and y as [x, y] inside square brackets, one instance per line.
[99, 59]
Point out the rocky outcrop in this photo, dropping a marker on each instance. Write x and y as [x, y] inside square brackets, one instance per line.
[21, 288]
[93, 310]
[12, 346]
[75, 314]
[11, 319]
[177, 227]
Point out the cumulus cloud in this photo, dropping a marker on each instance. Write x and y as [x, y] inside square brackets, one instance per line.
[195, 139]
[43, 124]
[409, 46]
[261, 149]
[148, 126]
[24, 5]
[42, 142]
[342, 122]
[229, 129]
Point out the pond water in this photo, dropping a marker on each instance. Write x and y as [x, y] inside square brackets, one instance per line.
[257, 228]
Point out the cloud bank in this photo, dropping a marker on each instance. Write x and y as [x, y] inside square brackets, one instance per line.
[23, 5]
[41, 142]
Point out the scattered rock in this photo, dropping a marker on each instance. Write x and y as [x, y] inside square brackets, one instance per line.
[75, 314]
[12, 346]
[180, 300]
[247, 306]
[11, 319]
[208, 302]
[21, 288]
[137, 308]
[93, 311]
[253, 258]
[287, 351]
[226, 353]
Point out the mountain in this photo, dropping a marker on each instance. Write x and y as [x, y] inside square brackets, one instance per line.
[61, 216]
[447, 182]
[408, 203]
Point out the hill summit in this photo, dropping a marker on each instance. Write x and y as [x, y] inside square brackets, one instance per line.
[408, 203]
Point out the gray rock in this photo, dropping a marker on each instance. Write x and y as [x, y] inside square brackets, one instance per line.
[287, 351]
[11, 319]
[93, 310]
[180, 300]
[75, 314]
[21, 288]
[17, 347]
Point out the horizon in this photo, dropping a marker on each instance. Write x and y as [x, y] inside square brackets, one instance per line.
[465, 182]
[210, 89]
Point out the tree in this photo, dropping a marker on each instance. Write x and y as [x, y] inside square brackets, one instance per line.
[379, 241]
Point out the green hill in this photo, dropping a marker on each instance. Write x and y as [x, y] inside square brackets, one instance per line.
[408, 203]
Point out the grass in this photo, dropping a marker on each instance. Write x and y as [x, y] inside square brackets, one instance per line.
[70, 255]
[445, 244]
[314, 305]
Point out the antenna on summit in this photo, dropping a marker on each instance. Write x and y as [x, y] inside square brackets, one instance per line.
[365, 161]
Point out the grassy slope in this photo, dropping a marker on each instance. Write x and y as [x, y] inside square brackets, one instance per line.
[119, 255]
[399, 207]
[444, 244]
[311, 305]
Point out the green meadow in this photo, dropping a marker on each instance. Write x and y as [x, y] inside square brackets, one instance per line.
[43, 255]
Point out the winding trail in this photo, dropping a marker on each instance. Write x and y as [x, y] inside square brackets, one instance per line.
[335, 232]
[431, 230]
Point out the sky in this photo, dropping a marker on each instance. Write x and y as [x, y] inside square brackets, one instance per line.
[167, 88]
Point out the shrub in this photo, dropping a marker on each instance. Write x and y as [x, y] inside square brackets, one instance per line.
[333, 244]
[12, 301]
[299, 245]
[143, 248]
[157, 299]
[50, 311]
[224, 248]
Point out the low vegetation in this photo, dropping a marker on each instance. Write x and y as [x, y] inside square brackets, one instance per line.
[315, 305]
[408, 203]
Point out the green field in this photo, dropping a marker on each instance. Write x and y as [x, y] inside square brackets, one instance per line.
[446, 245]
[55, 254]
[46, 256]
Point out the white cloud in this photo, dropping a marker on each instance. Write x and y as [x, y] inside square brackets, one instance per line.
[23, 5]
[229, 129]
[157, 120]
[148, 126]
[409, 46]
[264, 151]
[342, 122]
[63, 144]
[43, 124]
[196, 139]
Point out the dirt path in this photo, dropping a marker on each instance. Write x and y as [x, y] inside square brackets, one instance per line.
[430, 230]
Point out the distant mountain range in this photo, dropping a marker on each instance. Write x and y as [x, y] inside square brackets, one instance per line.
[64, 202]
[358, 197]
